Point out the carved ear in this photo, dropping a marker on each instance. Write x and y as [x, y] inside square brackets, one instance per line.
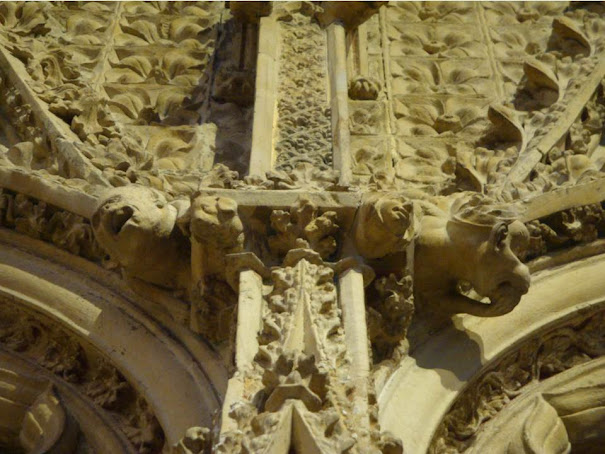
[519, 238]
[498, 236]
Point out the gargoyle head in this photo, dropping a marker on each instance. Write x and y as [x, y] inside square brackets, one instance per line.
[136, 226]
[477, 244]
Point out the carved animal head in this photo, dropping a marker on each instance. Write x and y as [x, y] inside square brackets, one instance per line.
[215, 221]
[136, 226]
[384, 226]
[478, 244]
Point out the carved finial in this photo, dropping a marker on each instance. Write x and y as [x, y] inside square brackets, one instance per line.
[364, 88]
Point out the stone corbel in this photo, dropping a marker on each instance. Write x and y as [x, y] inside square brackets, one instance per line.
[384, 233]
[384, 225]
[137, 227]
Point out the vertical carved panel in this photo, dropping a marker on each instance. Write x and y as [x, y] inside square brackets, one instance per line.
[304, 127]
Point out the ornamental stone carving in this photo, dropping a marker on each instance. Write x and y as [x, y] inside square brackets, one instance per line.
[137, 226]
[334, 227]
[473, 245]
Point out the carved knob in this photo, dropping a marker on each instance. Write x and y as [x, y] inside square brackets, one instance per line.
[364, 88]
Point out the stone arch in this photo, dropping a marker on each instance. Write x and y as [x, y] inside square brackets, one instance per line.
[179, 376]
[563, 413]
[438, 373]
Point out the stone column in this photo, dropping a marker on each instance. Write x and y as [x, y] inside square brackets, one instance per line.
[352, 279]
[265, 98]
[339, 99]
[245, 274]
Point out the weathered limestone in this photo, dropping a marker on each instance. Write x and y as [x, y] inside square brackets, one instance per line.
[312, 227]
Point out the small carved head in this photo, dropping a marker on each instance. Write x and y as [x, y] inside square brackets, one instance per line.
[492, 240]
[135, 225]
[384, 226]
[479, 244]
[215, 220]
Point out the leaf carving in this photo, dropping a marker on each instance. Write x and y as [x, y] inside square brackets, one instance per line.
[566, 28]
[543, 432]
[540, 74]
[506, 123]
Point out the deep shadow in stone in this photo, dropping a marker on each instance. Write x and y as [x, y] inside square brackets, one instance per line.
[453, 367]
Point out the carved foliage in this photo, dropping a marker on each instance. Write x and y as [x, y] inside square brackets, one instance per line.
[56, 350]
[127, 79]
[304, 227]
[390, 313]
[527, 62]
[565, 229]
[304, 124]
[42, 221]
[534, 361]
[197, 440]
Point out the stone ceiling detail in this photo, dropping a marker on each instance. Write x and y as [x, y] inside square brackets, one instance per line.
[305, 192]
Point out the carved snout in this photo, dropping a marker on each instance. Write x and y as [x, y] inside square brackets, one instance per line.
[113, 219]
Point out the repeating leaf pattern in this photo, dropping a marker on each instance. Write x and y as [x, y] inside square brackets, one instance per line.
[106, 69]
[453, 66]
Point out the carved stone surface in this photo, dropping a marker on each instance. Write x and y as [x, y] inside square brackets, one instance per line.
[303, 109]
[536, 360]
[52, 348]
[42, 221]
[308, 202]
